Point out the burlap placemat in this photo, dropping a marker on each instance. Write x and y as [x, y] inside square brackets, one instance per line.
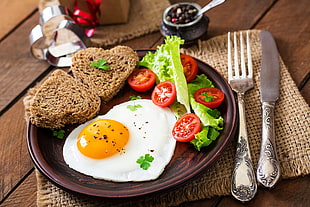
[292, 139]
[144, 18]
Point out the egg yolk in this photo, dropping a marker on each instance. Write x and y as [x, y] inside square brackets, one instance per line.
[102, 138]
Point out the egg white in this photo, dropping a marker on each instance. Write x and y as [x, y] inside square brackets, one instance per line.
[150, 129]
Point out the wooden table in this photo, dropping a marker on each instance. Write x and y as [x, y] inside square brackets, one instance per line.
[287, 20]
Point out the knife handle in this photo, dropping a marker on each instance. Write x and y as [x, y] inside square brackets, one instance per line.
[268, 170]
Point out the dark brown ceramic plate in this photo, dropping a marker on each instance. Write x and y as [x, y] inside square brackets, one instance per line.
[46, 152]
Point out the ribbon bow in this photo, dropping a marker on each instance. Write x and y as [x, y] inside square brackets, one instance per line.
[87, 19]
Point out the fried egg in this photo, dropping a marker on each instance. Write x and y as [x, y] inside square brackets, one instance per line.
[109, 146]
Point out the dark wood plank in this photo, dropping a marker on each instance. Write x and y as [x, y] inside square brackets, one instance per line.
[18, 69]
[144, 42]
[205, 203]
[293, 192]
[13, 12]
[14, 158]
[233, 16]
[305, 92]
[289, 23]
[25, 195]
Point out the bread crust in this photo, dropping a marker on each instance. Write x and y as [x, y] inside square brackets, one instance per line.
[60, 100]
[106, 83]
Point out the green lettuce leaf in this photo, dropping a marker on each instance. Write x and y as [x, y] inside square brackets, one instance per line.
[210, 118]
[205, 137]
[166, 64]
[200, 81]
[206, 115]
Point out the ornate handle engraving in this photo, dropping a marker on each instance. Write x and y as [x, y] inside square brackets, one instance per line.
[268, 170]
[243, 185]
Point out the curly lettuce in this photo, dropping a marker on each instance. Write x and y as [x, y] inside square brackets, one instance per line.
[210, 118]
[165, 62]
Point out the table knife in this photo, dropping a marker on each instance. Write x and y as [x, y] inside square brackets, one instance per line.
[268, 170]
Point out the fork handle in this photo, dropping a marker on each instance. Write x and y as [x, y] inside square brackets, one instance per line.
[268, 170]
[243, 185]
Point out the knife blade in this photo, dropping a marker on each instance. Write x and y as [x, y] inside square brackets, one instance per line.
[268, 170]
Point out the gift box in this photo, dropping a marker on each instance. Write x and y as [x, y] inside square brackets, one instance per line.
[111, 11]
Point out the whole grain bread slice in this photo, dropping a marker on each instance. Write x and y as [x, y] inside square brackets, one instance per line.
[106, 83]
[60, 100]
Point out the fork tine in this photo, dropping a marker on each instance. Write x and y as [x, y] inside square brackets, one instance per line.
[243, 69]
[229, 58]
[250, 67]
[233, 69]
[236, 69]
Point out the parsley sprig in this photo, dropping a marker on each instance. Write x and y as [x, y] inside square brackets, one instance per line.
[207, 98]
[59, 134]
[134, 107]
[100, 64]
[145, 161]
[133, 97]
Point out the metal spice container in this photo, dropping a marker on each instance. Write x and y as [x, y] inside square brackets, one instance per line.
[181, 20]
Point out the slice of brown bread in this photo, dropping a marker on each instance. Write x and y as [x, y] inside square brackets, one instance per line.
[122, 61]
[60, 100]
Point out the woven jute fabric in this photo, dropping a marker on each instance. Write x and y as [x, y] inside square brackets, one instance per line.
[291, 128]
[144, 18]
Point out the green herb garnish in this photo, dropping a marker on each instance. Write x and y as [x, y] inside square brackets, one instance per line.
[145, 161]
[134, 107]
[207, 98]
[59, 134]
[100, 64]
[133, 97]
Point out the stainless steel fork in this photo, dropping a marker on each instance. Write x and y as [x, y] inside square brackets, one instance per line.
[240, 77]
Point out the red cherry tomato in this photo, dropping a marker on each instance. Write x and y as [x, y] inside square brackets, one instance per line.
[190, 67]
[209, 96]
[164, 93]
[186, 127]
[142, 79]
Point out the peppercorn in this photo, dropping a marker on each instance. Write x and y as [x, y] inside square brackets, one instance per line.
[181, 14]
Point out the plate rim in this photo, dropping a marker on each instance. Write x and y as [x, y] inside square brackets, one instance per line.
[57, 180]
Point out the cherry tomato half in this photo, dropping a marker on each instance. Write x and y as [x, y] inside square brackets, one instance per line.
[190, 67]
[186, 127]
[164, 93]
[142, 79]
[209, 96]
